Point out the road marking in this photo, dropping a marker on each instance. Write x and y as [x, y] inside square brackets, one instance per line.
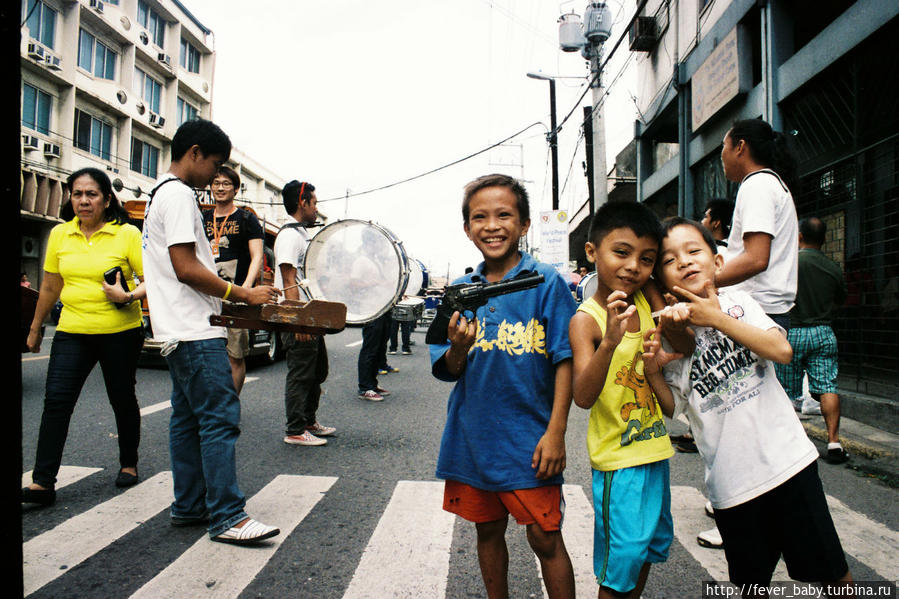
[871, 543]
[33, 358]
[51, 554]
[250, 379]
[577, 532]
[157, 407]
[66, 475]
[354, 344]
[408, 553]
[210, 569]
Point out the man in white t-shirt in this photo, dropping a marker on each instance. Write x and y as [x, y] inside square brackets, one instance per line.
[307, 356]
[183, 291]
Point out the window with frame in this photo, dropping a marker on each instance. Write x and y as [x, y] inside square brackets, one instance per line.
[144, 157]
[41, 21]
[36, 107]
[186, 111]
[149, 90]
[93, 135]
[190, 57]
[95, 57]
[153, 22]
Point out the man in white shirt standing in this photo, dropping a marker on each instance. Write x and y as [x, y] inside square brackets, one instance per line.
[307, 356]
[183, 291]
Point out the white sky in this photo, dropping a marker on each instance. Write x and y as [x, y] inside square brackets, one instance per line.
[354, 95]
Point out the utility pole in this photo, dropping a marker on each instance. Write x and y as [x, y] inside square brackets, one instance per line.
[553, 136]
[600, 183]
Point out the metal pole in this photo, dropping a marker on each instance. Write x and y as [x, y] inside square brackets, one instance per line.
[588, 147]
[553, 142]
[600, 184]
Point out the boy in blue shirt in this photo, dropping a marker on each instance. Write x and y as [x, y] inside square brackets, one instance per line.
[503, 447]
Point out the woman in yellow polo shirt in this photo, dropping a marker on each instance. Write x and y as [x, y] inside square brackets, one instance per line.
[99, 323]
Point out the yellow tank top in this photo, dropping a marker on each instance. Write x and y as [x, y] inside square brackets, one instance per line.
[626, 423]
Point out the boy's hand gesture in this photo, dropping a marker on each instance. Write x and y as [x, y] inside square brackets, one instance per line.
[618, 312]
[704, 311]
[655, 357]
[462, 332]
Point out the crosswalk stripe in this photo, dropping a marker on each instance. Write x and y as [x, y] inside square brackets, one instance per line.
[210, 569]
[408, 553]
[577, 532]
[49, 555]
[156, 407]
[354, 343]
[66, 475]
[871, 543]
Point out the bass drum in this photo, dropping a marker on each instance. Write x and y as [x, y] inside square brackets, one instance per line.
[586, 288]
[359, 264]
[418, 278]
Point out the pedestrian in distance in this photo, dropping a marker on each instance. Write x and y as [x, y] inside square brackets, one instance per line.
[821, 291]
[236, 239]
[761, 470]
[503, 446]
[101, 323]
[717, 218]
[627, 439]
[183, 291]
[307, 356]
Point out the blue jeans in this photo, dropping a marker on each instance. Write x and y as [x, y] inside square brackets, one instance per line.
[202, 434]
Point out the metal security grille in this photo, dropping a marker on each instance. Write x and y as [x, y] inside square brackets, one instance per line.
[848, 145]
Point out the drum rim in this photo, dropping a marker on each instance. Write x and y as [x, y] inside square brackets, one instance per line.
[399, 251]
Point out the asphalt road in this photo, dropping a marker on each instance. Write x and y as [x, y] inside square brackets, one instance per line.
[336, 520]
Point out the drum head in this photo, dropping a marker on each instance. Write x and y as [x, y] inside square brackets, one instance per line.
[359, 264]
[416, 278]
[587, 287]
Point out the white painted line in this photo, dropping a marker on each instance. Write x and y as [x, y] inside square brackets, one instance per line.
[66, 475]
[210, 569]
[577, 532]
[354, 344]
[688, 512]
[157, 407]
[51, 554]
[250, 379]
[408, 553]
[871, 543]
[33, 358]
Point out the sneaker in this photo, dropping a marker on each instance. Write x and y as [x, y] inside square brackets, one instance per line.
[306, 438]
[810, 406]
[709, 510]
[319, 430]
[797, 405]
[710, 538]
[407, 352]
[391, 352]
[382, 391]
[371, 395]
[388, 369]
[251, 532]
[686, 446]
[837, 455]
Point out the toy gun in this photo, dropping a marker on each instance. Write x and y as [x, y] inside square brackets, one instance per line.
[468, 297]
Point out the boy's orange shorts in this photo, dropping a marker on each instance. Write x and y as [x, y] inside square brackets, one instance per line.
[541, 505]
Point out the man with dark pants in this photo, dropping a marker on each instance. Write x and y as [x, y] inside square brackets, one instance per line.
[236, 239]
[307, 356]
[821, 290]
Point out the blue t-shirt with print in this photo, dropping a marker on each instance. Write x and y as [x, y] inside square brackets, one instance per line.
[501, 404]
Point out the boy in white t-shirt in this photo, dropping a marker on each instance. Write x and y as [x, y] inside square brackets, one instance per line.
[761, 470]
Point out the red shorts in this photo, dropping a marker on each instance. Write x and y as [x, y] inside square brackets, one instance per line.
[541, 505]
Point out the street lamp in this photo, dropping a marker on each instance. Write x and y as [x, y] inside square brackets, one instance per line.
[552, 136]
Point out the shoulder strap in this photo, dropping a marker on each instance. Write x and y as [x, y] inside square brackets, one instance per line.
[768, 171]
[155, 189]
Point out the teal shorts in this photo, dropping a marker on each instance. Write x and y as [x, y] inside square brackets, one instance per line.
[814, 354]
[632, 524]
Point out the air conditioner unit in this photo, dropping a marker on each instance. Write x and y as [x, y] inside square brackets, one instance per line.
[30, 142]
[643, 34]
[52, 62]
[35, 51]
[97, 5]
[51, 150]
[164, 58]
[156, 120]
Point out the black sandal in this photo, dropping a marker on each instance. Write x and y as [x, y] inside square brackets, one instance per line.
[43, 497]
[125, 479]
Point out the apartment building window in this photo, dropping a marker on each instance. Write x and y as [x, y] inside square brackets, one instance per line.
[41, 21]
[148, 89]
[36, 107]
[190, 57]
[153, 22]
[144, 157]
[93, 135]
[186, 111]
[95, 57]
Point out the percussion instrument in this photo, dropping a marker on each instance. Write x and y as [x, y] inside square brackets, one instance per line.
[586, 288]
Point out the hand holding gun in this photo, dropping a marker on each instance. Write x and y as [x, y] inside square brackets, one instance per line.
[468, 297]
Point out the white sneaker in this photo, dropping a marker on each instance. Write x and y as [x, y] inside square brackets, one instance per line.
[810, 406]
[710, 538]
[709, 510]
[320, 430]
[251, 532]
[371, 395]
[306, 438]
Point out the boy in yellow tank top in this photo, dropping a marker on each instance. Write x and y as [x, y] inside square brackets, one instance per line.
[627, 439]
